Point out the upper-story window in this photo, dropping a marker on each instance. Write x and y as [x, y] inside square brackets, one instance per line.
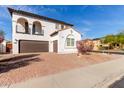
[62, 26]
[37, 28]
[22, 26]
[57, 26]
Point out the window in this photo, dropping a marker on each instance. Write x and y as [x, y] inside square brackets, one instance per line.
[70, 41]
[37, 28]
[57, 26]
[62, 26]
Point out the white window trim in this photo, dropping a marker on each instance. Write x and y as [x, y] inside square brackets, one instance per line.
[57, 26]
[70, 37]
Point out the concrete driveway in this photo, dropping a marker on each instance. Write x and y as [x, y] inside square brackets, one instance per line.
[98, 75]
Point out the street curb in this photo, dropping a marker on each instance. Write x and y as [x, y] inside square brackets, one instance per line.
[109, 81]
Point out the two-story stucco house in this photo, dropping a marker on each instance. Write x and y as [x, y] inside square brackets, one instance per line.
[36, 33]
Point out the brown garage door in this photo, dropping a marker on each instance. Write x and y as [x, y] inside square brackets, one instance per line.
[27, 46]
[55, 46]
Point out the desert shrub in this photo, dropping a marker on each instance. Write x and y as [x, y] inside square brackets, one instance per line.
[115, 41]
[85, 46]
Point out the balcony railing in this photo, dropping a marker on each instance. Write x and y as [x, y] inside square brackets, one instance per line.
[21, 29]
[38, 32]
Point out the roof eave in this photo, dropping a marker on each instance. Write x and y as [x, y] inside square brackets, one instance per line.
[10, 10]
[35, 15]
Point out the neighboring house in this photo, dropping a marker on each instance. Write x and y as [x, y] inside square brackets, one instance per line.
[35, 33]
[97, 43]
[3, 47]
[9, 47]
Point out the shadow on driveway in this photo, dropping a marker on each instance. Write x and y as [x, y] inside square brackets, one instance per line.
[18, 61]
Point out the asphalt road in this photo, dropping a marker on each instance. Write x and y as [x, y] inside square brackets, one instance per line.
[118, 83]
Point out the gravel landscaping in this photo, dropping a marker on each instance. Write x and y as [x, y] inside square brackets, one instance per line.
[46, 64]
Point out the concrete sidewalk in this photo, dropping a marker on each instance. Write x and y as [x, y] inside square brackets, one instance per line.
[99, 75]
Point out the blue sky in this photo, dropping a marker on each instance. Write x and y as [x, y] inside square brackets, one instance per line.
[93, 21]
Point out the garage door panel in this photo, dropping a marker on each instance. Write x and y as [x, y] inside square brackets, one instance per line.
[33, 46]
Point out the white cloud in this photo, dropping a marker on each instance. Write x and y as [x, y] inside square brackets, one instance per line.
[109, 22]
[35, 9]
[86, 29]
[48, 9]
[86, 22]
[22, 7]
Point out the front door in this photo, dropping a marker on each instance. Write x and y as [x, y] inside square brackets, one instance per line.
[55, 46]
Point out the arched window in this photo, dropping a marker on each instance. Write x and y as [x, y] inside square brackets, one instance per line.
[37, 28]
[70, 41]
[22, 26]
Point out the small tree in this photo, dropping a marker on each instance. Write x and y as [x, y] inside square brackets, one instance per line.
[114, 41]
[85, 46]
[2, 34]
